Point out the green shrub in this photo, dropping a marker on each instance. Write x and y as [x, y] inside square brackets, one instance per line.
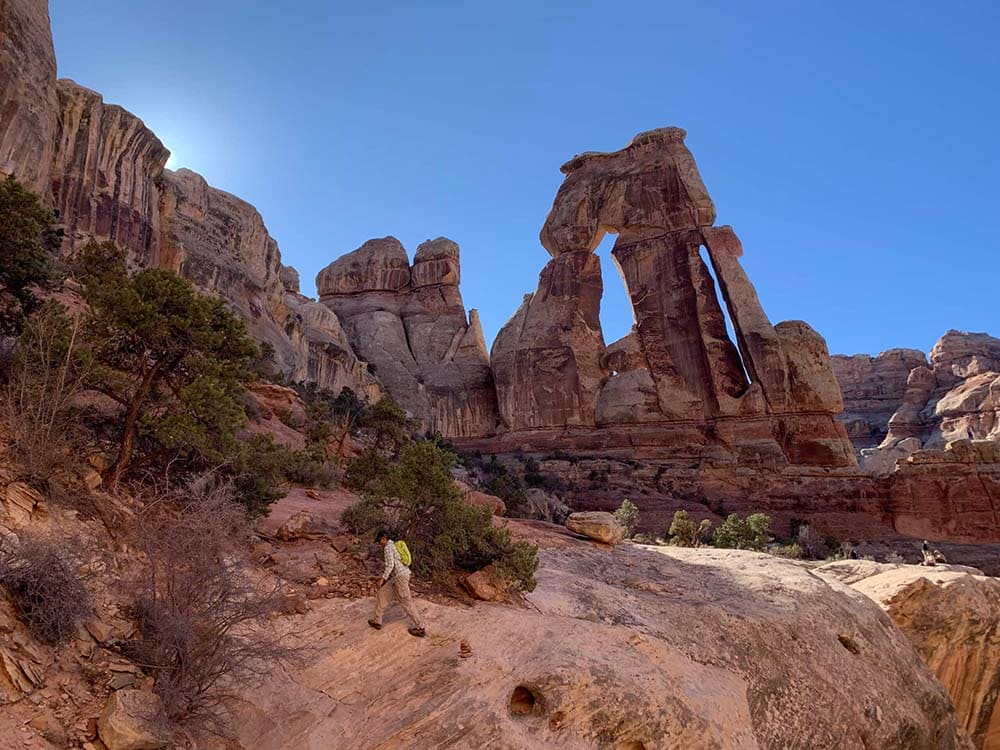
[627, 516]
[28, 243]
[389, 423]
[752, 532]
[415, 496]
[509, 488]
[258, 468]
[176, 362]
[363, 471]
[685, 533]
[792, 551]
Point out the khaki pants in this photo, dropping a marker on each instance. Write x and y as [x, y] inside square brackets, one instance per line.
[398, 588]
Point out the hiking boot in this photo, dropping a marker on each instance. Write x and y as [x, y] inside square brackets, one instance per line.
[417, 632]
[376, 625]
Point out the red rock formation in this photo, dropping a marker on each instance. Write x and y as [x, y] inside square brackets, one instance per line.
[952, 617]
[29, 104]
[103, 174]
[411, 326]
[956, 396]
[677, 379]
[546, 359]
[103, 170]
[873, 390]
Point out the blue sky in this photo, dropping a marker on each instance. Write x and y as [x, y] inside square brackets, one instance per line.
[854, 146]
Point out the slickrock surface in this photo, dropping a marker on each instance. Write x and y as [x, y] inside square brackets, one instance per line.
[952, 616]
[630, 648]
[411, 325]
[768, 397]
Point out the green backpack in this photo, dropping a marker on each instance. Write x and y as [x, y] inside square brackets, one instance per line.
[404, 553]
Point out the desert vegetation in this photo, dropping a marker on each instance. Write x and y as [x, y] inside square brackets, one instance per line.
[125, 398]
[411, 491]
[41, 575]
[205, 623]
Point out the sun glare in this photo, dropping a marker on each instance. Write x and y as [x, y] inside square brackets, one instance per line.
[172, 161]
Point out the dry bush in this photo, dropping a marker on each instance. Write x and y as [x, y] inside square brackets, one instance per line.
[46, 376]
[205, 624]
[40, 576]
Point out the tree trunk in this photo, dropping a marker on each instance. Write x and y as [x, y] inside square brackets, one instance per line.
[130, 429]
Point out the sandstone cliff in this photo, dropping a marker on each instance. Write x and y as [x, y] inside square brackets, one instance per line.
[102, 169]
[873, 389]
[953, 619]
[29, 104]
[411, 325]
[953, 396]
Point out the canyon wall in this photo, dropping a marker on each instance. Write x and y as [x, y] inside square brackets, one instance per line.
[900, 402]
[103, 171]
[873, 389]
[749, 421]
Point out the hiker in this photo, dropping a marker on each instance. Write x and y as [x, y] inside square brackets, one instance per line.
[394, 583]
[928, 555]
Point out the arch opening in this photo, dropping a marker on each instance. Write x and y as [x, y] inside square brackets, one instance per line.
[616, 315]
[730, 328]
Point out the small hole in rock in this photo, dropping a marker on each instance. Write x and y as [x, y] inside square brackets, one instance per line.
[631, 745]
[524, 701]
[849, 643]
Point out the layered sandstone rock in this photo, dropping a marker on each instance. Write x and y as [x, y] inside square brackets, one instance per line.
[873, 389]
[103, 170]
[957, 397]
[411, 326]
[221, 244]
[104, 174]
[547, 359]
[769, 399]
[954, 396]
[600, 526]
[631, 648]
[953, 619]
[29, 104]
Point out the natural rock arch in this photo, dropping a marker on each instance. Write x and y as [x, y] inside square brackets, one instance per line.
[550, 361]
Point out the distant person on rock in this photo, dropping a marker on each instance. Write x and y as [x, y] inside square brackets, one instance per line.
[928, 554]
[394, 583]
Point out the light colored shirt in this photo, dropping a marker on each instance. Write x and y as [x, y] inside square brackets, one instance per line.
[393, 563]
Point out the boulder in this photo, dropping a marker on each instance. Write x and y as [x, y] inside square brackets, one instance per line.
[597, 525]
[19, 504]
[952, 616]
[128, 721]
[486, 585]
[481, 499]
[303, 525]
